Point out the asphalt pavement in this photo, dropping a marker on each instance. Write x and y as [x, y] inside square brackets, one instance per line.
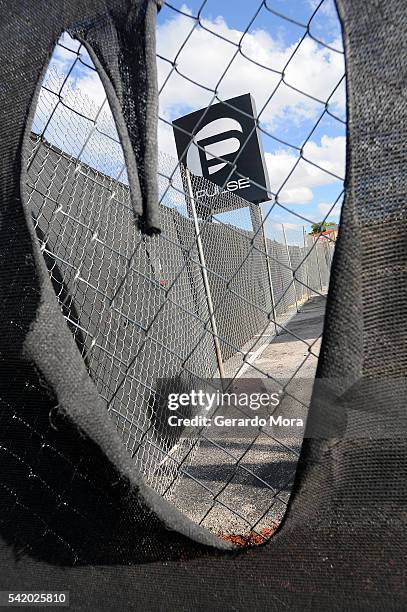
[241, 476]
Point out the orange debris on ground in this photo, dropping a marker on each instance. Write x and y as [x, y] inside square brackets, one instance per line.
[253, 538]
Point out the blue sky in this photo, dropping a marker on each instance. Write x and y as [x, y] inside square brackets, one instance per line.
[291, 116]
[297, 119]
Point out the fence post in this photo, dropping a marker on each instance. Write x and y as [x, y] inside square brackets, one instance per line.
[315, 243]
[266, 251]
[207, 288]
[307, 262]
[291, 268]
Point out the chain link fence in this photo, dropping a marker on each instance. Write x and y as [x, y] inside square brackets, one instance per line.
[152, 315]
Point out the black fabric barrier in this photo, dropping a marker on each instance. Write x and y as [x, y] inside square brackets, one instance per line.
[73, 514]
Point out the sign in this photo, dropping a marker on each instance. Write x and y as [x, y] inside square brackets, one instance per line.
[221, 143]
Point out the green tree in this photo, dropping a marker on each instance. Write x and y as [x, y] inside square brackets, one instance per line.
[322, 226]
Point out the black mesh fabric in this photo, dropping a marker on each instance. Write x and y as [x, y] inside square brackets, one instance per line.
[73, 515]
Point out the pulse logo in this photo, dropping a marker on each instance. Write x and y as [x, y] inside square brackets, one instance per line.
[219, 139]
[222, 144]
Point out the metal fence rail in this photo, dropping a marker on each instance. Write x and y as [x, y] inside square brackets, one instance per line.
[148, 313]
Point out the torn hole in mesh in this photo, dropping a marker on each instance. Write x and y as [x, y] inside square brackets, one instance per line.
[65, 197]
[99, 263]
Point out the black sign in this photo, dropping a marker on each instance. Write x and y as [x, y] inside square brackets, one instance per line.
[222, 144]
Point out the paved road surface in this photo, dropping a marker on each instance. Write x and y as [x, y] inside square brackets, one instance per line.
[259, 486]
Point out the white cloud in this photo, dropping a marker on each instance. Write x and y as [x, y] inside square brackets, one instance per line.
[327, 8]
[90, 87]
[313, 69]
[204, 57]
[166, 142]
[329, 154]
[82, 88]
[287, 226]
[325, 209]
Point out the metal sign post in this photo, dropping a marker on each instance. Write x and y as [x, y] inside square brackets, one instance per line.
[207, 288]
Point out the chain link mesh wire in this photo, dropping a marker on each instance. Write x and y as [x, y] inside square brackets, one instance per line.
[138, 307]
